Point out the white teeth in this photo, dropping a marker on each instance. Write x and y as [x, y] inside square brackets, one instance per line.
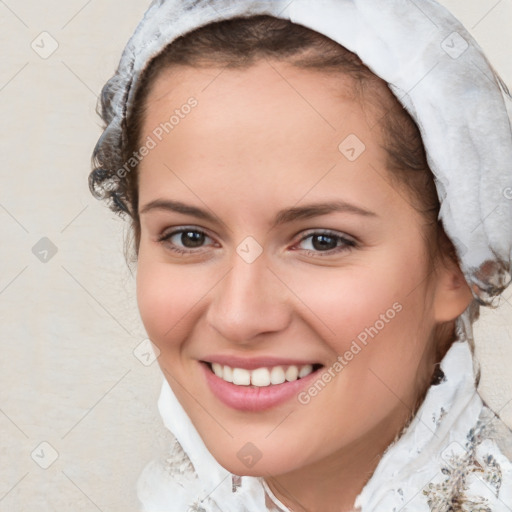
[305, 370]
[228, 374]
[292, 373]
[277, 375]
[217, 369]
[241, 377]
[261, 377]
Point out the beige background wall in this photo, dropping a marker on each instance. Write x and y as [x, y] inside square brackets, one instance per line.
[70, 378]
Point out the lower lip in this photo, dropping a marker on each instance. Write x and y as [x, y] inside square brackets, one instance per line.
[254, 399]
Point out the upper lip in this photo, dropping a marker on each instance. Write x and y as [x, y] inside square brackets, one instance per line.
[251, 363]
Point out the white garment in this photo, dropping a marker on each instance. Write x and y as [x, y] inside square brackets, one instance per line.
[455, 455]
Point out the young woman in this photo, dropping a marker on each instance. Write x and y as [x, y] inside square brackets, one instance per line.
[311, 254]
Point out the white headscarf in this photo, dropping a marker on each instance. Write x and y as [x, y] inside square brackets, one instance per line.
[463, 110]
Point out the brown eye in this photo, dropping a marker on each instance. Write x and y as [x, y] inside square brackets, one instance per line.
[324, 242]
[185, 240]
[192, 239]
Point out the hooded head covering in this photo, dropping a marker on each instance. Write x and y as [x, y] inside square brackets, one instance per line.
[463, 111]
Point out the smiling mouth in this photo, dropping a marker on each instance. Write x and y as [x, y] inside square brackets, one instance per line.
[264, 376]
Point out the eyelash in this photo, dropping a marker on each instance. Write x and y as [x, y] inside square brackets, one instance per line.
[346, 243]
[164, 239]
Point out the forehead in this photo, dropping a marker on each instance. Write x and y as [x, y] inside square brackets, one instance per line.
[264, 88]
[257, 129]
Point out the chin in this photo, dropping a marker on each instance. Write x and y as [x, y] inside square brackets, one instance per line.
[255, 463]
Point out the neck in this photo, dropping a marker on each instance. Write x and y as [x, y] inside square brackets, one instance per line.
[333, 483]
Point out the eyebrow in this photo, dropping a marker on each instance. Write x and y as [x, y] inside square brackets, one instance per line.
[317, 209]
[177, 206]
[283, 216]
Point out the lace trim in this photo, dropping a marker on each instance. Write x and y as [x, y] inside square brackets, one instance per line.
[462, 462]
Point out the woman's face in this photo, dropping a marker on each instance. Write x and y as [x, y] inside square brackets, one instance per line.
[272, 238]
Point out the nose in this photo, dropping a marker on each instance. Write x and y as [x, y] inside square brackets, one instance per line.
[248, 302]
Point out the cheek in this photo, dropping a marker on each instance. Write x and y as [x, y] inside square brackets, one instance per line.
[345, 302]
[377, 318]
[168, 299]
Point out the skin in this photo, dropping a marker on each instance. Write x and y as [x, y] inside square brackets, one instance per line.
[262, 140]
